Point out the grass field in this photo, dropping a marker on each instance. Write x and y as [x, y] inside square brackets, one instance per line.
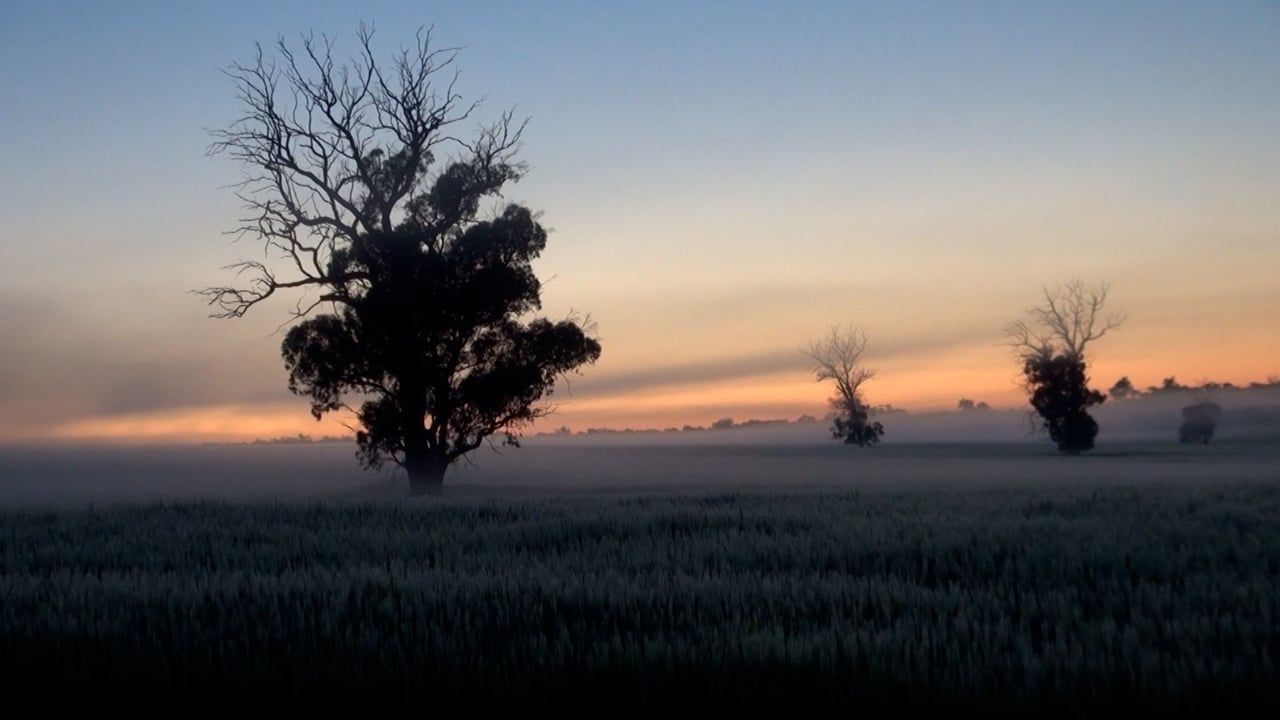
[1062, 599]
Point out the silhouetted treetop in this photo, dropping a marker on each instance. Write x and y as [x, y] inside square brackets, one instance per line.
[1123, 389]
[1069, 318]
[335, 152]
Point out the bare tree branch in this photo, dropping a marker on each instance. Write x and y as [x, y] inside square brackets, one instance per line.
[1071, 317]
[838, 357]
[334, 152]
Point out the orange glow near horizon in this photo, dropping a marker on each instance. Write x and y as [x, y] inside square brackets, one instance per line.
[729, 373]
[914, 386]
[224, 423]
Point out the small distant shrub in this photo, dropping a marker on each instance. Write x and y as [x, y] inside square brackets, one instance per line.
[1123, 389]
[1199, 422]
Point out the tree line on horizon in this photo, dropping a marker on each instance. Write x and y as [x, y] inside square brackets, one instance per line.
[1124, 389]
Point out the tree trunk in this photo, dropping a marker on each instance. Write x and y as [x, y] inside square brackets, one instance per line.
[426, 472]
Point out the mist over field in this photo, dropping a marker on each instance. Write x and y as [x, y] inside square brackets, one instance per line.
[981, 448]
[963, 563]
[1248, 414]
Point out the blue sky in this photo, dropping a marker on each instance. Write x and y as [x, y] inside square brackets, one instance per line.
[724, 180]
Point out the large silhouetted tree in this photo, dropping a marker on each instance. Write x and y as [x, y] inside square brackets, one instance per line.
[1051, 344]
[416, 302]
[838, 358]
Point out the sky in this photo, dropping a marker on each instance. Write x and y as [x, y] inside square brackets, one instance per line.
[723, 181]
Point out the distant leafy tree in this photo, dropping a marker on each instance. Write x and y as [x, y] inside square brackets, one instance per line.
[1123, 389]
[965, 405]
[722, 424]
[1051, 346]
[838, 358]
[427, 301]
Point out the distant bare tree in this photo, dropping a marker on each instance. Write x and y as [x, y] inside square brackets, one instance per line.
[1051, 344]
[838, 358]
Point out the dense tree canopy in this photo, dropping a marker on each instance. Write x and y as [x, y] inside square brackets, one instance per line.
[1061, 396]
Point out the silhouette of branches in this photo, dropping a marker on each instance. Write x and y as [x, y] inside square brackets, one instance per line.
[837, 357]
[1051, 343]
[1070, 318]
[334, 152]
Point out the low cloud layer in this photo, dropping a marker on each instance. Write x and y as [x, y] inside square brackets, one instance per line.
[73, 365]
[66, 360]
[757, 365]
[58, 363]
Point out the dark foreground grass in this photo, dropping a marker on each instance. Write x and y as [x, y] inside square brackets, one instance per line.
[1058, 600]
